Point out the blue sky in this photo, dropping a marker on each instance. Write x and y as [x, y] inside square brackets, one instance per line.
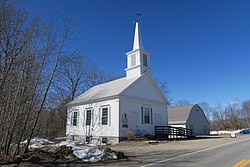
[201, 47]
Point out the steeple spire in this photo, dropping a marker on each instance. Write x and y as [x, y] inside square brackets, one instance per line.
[138, 60]
[137, 37]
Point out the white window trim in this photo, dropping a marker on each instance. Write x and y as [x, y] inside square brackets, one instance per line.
[72, 117]
[150, 115]
[92, 116]
[108, 117]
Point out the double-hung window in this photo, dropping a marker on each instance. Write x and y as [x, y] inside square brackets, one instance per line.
[147, 117]
[105, 114]
[88, 116]
[75, 118]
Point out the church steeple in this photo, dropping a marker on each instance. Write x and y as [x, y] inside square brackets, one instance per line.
[138, 60]
[137, 37]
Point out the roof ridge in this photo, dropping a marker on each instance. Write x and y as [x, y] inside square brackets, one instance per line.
[183, 105]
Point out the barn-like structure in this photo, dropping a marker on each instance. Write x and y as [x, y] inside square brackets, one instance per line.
[189, 116]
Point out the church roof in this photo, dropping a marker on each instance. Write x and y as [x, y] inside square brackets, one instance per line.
[179, 114]
[105, 90]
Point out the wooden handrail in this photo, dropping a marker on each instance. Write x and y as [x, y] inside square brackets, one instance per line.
[172, 132]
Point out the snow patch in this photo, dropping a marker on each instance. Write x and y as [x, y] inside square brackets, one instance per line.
[222, 132]
[37, 142]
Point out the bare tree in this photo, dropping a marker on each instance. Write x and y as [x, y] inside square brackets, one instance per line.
[219, 117]
[182, 103]
[17, 63]
[164, 87]
[246, 111]
[207, 109]
[58, 52]
[31, 53]
[77, 75]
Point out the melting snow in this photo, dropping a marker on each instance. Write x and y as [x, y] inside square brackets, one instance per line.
[86, 153]
[37, 142]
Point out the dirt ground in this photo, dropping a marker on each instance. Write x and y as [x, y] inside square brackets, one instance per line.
[197, 143]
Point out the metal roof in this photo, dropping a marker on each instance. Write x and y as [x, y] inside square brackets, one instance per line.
[108, 89]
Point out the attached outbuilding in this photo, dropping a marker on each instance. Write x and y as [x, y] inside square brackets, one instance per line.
[189, 116]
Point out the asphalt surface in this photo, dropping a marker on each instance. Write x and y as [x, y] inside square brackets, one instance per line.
[226, 154]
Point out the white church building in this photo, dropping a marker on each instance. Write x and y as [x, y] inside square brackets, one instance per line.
[106, 113]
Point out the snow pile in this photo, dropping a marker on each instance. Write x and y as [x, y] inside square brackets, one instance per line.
[60, 138]
[37, 142]
[87, 153]
[221, 132]
[90, 153]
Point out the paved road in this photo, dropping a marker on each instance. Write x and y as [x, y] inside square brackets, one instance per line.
[224, 154]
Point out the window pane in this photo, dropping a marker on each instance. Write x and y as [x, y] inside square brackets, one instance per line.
[147, 120]
[75, 118]
[88, 117]
[146, 116]
[146, 111]
[104, 140]
[104, 116]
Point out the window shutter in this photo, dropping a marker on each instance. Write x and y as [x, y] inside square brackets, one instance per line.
[109, 116]
[142, 115]
[151, 115]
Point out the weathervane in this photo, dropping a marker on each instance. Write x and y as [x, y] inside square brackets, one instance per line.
[137, 17]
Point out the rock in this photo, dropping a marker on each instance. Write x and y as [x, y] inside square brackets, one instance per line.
[153, 142]
[121, 155]
[34, 160]
[232, 135]
[149, 136]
